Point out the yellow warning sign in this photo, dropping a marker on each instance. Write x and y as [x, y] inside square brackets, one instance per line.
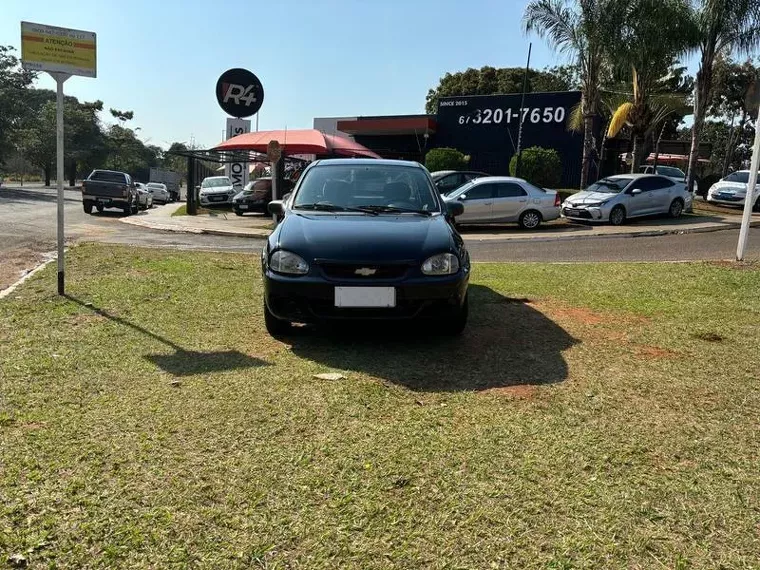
[48, 48]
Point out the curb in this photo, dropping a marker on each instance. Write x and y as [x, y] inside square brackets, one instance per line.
[253, 233]
[603, 235]
[11, 288]
[263, 233]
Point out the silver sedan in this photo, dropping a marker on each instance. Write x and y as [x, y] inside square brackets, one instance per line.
[502, 199]
[617, 198]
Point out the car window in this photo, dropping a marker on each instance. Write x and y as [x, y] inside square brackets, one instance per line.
[216, 182]
[509, 190]
[449, 182]
[352, 186]
[472, 176]
[740, 176]
[652, 183]
[479, 192]
[106, 176]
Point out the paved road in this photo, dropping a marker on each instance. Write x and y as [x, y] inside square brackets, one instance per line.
[27, 229]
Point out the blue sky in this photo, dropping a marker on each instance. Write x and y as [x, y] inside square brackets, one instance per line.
[315, 58]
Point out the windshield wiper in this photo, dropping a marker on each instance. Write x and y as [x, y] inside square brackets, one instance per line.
[323, 207]
[392, 210]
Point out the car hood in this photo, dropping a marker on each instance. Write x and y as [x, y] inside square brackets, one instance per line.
[364, 238]
[733, 187]
[217, 190]
[584, 197]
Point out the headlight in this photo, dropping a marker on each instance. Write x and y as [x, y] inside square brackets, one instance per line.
[288, 262]
[441, 264]
[596, 204]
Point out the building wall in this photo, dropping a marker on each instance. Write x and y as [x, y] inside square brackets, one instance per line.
[486, 127]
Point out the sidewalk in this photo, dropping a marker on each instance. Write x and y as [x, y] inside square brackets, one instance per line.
[222, 222]
[217, 222]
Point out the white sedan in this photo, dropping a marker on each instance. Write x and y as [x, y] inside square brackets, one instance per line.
[160, 192]
[732, 190]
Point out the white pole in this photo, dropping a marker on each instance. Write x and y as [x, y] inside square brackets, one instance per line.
[749, 199]
[60, 78]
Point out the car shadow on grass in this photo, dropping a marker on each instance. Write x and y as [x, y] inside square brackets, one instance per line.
[507, 343]
[182, 362]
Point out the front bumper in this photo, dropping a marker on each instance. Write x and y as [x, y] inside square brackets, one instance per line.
[310, 299]
[215, 199]
[593, 214]
[251, 206]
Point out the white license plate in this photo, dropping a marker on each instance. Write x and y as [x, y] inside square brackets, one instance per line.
[365, 297]
[243, 206]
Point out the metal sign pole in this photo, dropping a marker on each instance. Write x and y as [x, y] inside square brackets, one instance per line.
[749, 201]
[60, 78]
[522, 113]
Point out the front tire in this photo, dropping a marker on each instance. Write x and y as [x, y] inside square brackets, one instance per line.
[87, 207]
[676, 209]
[617, 216]
[530, 220]
[275, 327]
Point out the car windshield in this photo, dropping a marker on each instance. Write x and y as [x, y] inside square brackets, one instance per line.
[609, 185]
[381, 188]
[741, 176]
[671, 171]
[107, 176]
[216, 182]
[458, 190]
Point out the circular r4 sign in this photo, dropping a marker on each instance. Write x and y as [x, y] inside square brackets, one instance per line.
[239, 93]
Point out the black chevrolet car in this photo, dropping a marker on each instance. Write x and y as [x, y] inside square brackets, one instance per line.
[365, 239]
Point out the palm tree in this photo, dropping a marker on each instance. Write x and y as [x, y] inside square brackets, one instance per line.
[579, 29]
[719, 26]
[652, 34]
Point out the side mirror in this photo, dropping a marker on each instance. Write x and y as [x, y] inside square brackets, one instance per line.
[198, 187]
[462, 198]
[635, 192]
[276, 207]
[455, 209]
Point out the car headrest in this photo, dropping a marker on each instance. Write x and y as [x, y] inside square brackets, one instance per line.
[397, 191]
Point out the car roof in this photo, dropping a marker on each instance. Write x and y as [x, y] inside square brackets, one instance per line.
[631, 175]
[483, 179]
[365, 162]
[213, 177]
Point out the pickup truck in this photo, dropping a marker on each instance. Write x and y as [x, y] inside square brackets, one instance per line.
[109, 189]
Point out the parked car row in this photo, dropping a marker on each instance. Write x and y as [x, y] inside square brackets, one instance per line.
[113, 189]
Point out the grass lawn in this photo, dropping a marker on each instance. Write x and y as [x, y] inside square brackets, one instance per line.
[592, 416]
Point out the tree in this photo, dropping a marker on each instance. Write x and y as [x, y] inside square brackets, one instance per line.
[718, 26]
[490, 80]
[580, 30]
[731, 81]
[122, 116]
[649, 56]
[14, 84]
[445, 159]
[541, 166]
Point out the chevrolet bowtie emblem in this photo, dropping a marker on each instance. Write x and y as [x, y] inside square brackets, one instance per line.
[365, 271]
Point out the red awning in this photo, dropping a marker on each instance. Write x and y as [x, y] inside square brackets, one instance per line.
[302, 141]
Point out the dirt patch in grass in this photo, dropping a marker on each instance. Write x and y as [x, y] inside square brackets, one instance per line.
[737, 265]
[654, 352]
[521, 392]
[15, 263]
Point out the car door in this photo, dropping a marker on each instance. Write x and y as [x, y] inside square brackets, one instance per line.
[478, 204]
[509, 202]
[662, 193]
[640, 203]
